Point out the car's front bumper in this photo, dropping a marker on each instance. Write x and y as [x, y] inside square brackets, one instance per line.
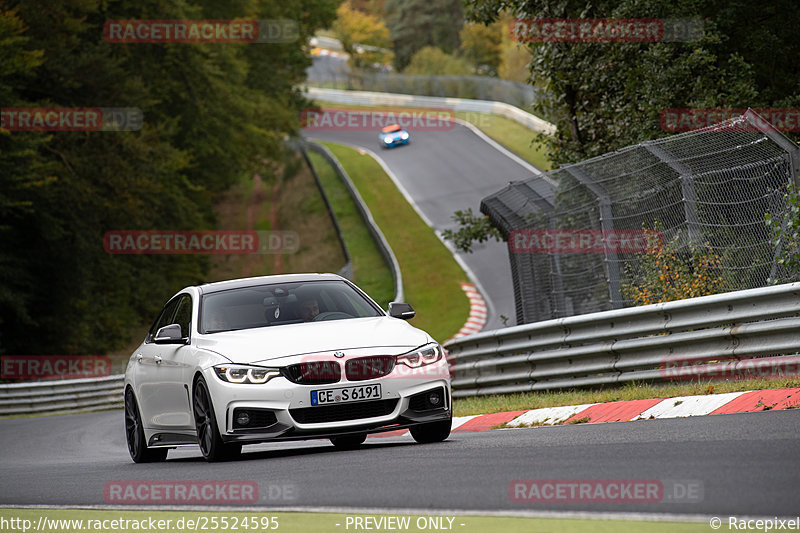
[285, 411]
[396, 142]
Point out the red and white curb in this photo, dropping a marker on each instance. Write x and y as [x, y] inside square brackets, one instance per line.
[477, 312]
[628, 410]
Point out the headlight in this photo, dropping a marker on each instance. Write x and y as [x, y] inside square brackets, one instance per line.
[404, 136]
[245, 373]
[387, 140]
[430, 353]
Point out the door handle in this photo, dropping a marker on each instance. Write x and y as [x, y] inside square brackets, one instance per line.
[157, 359]
[139, 358]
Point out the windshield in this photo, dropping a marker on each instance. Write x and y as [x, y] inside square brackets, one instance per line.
[280, 304]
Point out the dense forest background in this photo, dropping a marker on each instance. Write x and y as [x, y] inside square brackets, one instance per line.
[605, 96]
[213, 113]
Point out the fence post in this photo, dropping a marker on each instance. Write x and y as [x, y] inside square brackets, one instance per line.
[792, 157]
[791, 149]
[607, 225]
[687, 188]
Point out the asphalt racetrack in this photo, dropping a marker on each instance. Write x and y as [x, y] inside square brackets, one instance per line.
[446, 171]
[737, 464]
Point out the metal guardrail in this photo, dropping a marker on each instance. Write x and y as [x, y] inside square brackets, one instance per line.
[728, 335]
[79, 395]
[334, 73]
[375, 231]
[347, 270]
[366, 98]
[64, 396]
[720, 335]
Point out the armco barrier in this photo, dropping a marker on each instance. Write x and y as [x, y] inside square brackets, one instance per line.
[366, 98]
[69, 396]
[729, 333]
[754, 331]
[347, 270]
[377, 234]
[76, 395]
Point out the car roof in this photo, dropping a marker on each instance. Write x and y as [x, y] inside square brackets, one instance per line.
[391, 128]
[263, 280]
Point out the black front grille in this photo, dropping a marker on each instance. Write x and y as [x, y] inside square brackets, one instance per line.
[339, 413]
[313, 372]
[369, 367]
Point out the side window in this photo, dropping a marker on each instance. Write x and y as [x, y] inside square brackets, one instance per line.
[164, 319]
[183, 315]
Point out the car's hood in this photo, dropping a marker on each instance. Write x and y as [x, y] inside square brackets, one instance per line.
[273, 342]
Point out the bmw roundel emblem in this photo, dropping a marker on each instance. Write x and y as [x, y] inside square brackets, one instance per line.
[338, 354]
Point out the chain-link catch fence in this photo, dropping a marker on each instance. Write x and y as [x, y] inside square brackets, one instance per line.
[637, 216]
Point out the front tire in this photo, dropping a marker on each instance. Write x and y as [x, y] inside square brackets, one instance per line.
[432, 431]
[134, 434]
[349, 442]
[211, 445]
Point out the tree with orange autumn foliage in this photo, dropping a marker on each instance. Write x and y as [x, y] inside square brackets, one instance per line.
[669, 271]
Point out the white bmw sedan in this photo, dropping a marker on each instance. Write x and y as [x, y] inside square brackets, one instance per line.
[302, 356]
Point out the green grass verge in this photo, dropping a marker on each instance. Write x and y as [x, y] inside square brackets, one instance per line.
[370, 271]
[512, 135]
[431, 275]
[179, 522]
[632, 391]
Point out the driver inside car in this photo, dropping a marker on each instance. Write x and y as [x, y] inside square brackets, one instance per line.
[309, 308]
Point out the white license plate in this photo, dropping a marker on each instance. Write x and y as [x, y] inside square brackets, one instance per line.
[345, 395]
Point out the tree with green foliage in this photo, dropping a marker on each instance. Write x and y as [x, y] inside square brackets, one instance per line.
[415, 24]
[433, 61]
[785, 231]
[213, 115]
[364, 37]
[604, 96]
[514, 56]
[671, 271]
[472, 228]
[481, 45]
[376, 8]
[514, 63]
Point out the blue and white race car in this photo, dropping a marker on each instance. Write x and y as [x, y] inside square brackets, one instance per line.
[392, 136]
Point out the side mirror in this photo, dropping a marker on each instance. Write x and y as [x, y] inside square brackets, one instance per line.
[169, 335]
[401, 310]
